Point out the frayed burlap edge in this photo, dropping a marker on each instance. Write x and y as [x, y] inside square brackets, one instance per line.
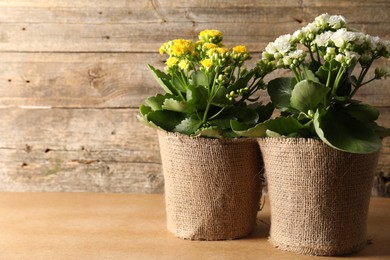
[212, 186]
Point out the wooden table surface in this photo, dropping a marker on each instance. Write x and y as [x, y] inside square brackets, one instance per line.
[128, 226]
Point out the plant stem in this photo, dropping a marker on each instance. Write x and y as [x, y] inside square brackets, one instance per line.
[318, 55]
[211, 94]
[219, 112]
[337, 80]
[311, 53]
[362, 75]
[329, 75]
[297, 74]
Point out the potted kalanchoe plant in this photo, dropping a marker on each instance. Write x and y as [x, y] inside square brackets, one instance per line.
[321, 152]
[212, 178]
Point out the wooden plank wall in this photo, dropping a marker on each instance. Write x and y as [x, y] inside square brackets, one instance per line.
[72, 74]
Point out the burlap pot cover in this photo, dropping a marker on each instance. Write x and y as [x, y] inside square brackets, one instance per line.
[212, 186]
[319, 196]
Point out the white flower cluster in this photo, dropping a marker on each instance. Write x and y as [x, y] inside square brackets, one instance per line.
[282, 53]
[328, 38]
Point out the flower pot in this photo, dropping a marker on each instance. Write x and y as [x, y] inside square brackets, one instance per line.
[212, 186]
[319, 196]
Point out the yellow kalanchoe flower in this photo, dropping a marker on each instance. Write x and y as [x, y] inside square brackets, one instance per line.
[239, 49]
[181, 47]
[212, 36]
[217, 52]
[162, 49]
[210, 33]
[184, 64]
[172, 61]
[209, 46]
[207, 63]
[221, 50]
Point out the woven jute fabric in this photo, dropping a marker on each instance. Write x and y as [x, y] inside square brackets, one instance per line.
[319, 196]
[212, 186]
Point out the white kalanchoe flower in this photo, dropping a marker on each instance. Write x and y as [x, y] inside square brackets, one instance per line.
[294, 58]
[373, 42]
[340, 58]
[282, 43]
[322, 40]
[341, 37]
[348, 58]
[330, 53]
[387, 44]
[382, 72]
[352, 56]
[383, 46]
[336, 21]
[360, 38]
[322, 20]
[270, 49]
[309, 32]
[297, 36]
[332, 21]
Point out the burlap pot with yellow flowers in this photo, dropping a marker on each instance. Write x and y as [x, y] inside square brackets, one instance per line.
[212, 186]
[319, 196]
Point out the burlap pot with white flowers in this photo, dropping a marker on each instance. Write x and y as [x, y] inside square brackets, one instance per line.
[212, 186]
[319, 196]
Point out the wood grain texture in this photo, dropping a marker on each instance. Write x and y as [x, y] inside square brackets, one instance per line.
[96, 150]
[91, 80]
[139, 26]
[78, 150]
[132, 226]
[87, 61]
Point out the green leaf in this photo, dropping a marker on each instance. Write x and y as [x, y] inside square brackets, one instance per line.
[142, 117]
[144, 110]
[220, 98]
[221, 123]
[166, 120]
[163, 79]
[197, 96]
[381, 131]
[178, 106]
[156, 102]
[343, 132]
[178, 84]
[264, 112]
[188, 126]
[242, 82]
[270, 133]
[363, 112]
[210, 132]
[280, 90]
[309, 75]
[200, 78]
[242, 129]
[307, 95]
[281, 125]
[323, 71]
[245, 114]
[284, 125]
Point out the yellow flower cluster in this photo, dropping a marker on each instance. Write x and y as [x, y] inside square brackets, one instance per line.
[178, 48]
[239, 49]
[205, 53]
[206, 63]
[211, 36]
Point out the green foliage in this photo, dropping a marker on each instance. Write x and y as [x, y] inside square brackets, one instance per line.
[206, 87]
[344, 132]
[318, 101]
